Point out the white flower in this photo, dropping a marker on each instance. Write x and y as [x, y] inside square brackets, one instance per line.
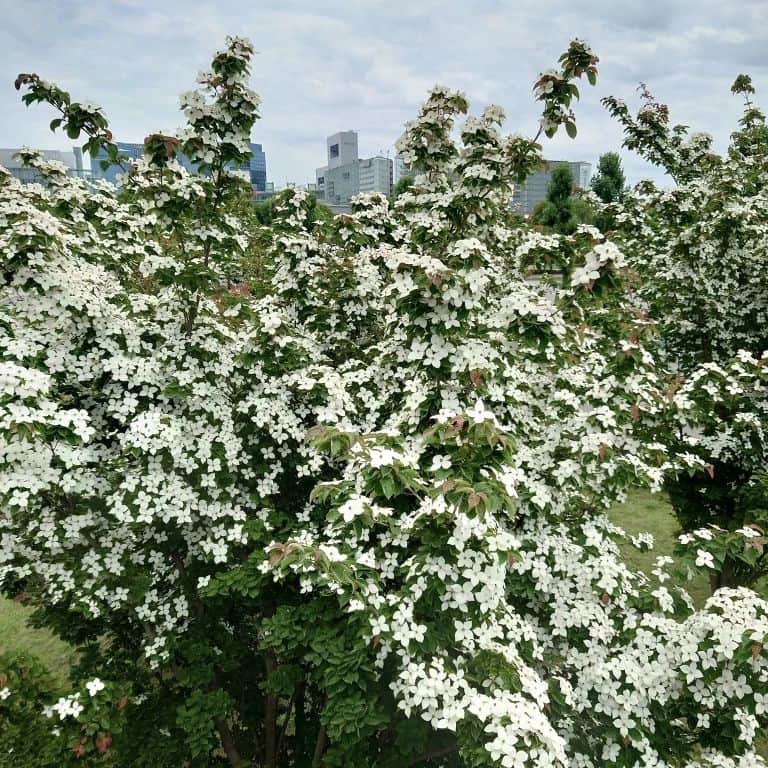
[379, 625]
[440, 462]
[4, 693]
[353, 507]
[704, 559]
[382, 457]
[94, 686]
[479, 413]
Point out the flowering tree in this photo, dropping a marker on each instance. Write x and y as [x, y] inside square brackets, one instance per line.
[700, 250]
[333, 493]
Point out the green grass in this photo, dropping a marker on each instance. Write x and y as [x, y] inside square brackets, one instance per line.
[17, 635]
[652, 513]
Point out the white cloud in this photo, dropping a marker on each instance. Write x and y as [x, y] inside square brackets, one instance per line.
[366, 65]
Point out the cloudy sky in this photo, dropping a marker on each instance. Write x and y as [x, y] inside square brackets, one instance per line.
[367, 64]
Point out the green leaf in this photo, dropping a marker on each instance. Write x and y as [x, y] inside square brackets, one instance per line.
[388, 487]
[570, 129]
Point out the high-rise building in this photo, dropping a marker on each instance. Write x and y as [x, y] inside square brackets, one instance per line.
[256, 170]
[257, 167]
[72, 159]
[531, 192]
[342, 148]
[346, 175]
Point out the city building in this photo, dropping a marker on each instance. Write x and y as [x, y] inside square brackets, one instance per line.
[342, 149]
[527, 195]
[375, 175]
[256, 171]
[257, 167]
[346, 174]
[401, 170]
[111, 172]
[72, 159]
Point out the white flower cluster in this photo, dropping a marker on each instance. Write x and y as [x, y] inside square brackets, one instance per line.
[169, 389]
[66, 706]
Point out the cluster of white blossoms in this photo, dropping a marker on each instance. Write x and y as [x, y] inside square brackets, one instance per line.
[176, 401]
[66, 706]
[602, 255]
[219, 130]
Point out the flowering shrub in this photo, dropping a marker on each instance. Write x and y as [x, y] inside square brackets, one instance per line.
[701, 254]
[334, 493]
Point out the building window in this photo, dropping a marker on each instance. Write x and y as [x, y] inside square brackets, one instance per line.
[334, 150]
[321, 179]
[345, 175]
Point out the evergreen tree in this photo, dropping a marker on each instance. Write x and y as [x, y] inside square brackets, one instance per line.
[609, 182]
[560, 211]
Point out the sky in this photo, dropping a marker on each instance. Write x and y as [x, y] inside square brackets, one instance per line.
[366, 65]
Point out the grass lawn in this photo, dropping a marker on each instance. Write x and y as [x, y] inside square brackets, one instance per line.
[649, 512]
[16, 635]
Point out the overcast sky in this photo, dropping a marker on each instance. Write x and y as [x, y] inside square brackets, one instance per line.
[367, 64]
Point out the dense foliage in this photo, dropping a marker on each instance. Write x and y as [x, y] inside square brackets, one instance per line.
[701, 253]
[562, 211]
[333, 492]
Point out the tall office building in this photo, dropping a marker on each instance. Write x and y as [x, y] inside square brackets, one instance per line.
[342, 148]
[527, 195]
[72, 159]
[256, 169]
[345, 174]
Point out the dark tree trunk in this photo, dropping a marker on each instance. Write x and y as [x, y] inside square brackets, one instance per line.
[300, 720]
[270, 717]
[725, 577]
[320, 745]
[228, 744]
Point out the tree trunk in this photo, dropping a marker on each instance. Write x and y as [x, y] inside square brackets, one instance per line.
[320, 744]
[228, 744]
[270, 717]
[300, 719]
[725, 577]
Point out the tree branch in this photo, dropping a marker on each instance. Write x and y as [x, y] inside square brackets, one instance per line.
[228, 744]
[320, 744]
